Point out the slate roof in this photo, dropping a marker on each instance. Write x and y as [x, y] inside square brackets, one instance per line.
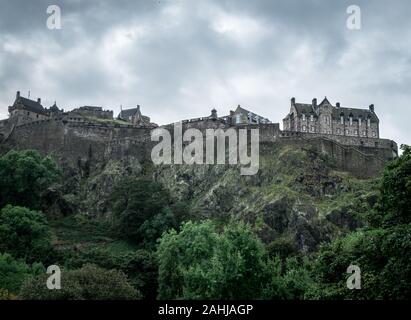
[245, 111]
[356, 113]
[306, 108]
[125, 114]
[31, 105]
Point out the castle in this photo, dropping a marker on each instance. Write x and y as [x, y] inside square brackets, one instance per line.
[327, 119]
[350, 136]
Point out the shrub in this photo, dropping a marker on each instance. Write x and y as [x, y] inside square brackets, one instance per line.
[88, 283]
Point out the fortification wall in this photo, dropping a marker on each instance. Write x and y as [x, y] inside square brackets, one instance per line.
[71, 143]
[363, 162]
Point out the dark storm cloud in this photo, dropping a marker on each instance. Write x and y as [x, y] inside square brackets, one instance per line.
[179, 59]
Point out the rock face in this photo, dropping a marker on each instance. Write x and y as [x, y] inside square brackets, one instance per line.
[297, 199]
[295, 195]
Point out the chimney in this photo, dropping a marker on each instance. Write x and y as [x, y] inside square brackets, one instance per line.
[372, 108]
[315, 103]
[38, 100]
[292, 101]
[214, 114]
[138, 107]
[18, 95]
[338, 105]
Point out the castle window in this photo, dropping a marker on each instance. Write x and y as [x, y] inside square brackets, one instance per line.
[364, 133]
[312, 118]
[356, 132]
[347, 132]
[304, 128]
[238, 118]
[368, 122]
[350, 120]
[342, 119]
[359, 121]
[374, 134]
[312, 129]
[303, 117]
[338, 131]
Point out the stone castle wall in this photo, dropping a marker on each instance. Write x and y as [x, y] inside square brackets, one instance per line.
[71, 142]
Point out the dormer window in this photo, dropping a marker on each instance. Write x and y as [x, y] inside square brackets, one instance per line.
[350, 120]
[359, 121]
[342, 119]
[368, 122]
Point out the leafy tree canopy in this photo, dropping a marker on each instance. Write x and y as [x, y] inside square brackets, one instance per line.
[24, 176]
[24, 233]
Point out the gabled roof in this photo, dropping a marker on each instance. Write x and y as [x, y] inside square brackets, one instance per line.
[242, 110]
[325, 101]
[307, 109]
[356, 113]
[303, 108]
[125, 114]
[30, 105]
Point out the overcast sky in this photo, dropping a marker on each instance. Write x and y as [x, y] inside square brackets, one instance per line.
[179, 59]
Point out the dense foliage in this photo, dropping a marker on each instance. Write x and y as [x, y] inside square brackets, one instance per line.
[153, 246]
[24, 178]
[142, 210]
[24, 233]
[88, 283]
[13, 273]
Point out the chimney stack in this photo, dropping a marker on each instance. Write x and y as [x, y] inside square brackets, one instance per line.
[337, 104]
[372, 108]
[292, 101]
[38, 100]
[18, 95]
[315, 103]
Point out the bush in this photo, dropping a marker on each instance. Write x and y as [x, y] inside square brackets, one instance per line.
[24, 177]
[13, 273]
[140, 266]
[141, 208]
[88, 283]
[24, 233]
[200, 263]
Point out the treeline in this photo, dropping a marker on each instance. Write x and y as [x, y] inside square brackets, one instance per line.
[178, 257]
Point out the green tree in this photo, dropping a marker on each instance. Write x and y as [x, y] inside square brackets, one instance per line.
[88, 283]
[394, 202]
[382, 251]
[13, 273]
[140, 266]
[24, 233]
[24, 177]
[141, 208]
[201, 263]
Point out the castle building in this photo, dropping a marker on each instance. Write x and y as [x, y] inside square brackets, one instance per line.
[134, 116]
[243, 116]
[25, 110]
[326, 119]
